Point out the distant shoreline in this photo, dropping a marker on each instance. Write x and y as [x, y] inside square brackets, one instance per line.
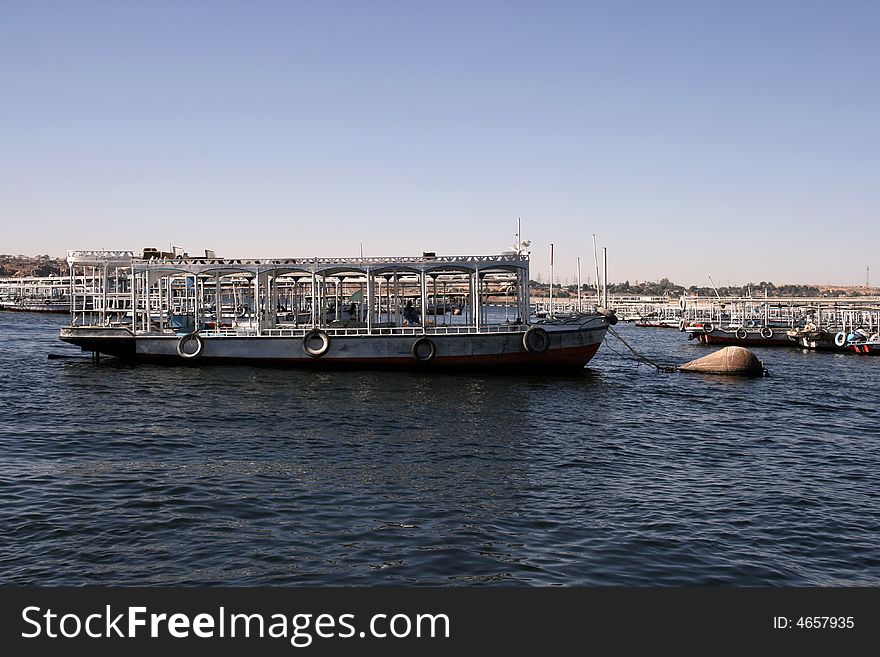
[42, 266]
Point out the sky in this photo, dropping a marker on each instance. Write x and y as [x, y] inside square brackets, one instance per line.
[735, 140]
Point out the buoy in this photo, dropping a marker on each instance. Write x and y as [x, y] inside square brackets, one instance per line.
[734, 361]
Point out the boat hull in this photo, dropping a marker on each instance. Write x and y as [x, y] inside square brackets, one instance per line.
[869, 348]
[752, 338]
[568, 349]
[57, 308]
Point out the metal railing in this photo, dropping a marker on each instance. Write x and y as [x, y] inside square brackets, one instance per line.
[342, 332]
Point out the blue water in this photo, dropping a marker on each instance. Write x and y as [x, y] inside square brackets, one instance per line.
[142, 475]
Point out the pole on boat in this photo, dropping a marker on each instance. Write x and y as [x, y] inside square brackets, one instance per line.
[596, 262]
[518, 235]
[605, 276]
[550, 313]
[579, 283]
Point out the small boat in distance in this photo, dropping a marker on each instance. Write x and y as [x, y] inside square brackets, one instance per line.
[163, 309]
[658, 322]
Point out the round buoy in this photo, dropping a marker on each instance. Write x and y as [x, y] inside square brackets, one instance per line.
[741, 334]
[840, 339]
[323, 340]
[735, 361]
[766, 333]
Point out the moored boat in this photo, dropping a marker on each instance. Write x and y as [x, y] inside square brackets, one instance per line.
[859, 341]
[814, 338]
[672, 323]
[154, 309]
[752, 336]
[59, 306]
[47, 294]
[869, 347]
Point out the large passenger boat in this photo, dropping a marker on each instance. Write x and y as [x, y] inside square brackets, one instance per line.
[48, 294]
[322, 312]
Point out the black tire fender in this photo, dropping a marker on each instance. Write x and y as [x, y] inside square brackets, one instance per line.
[419, 347]
[536, 340]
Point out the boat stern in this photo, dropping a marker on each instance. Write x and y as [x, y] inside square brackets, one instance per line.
[110, 341]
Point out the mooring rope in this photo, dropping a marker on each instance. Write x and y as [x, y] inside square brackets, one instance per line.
[641, 357]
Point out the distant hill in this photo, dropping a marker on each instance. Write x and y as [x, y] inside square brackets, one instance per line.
[15, 266]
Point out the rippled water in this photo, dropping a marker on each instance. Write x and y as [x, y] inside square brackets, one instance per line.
[120, 474]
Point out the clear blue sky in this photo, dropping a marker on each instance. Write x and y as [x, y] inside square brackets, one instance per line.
[735, 139]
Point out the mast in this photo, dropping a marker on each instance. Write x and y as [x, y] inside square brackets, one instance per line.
[605, 276]
[550, 313]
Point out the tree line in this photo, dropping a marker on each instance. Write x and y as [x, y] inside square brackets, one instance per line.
[666, 288]
[17, 266]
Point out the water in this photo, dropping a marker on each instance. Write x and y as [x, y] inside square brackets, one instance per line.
[145, 475]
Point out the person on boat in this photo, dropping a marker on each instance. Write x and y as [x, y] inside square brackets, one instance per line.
[410, 316]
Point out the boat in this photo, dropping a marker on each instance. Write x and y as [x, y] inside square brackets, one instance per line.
[744, 336]
[658, 322]
[859, 341]
[870, 347]
[36, 305]
[812, 337]
[159, 309]
[48, 294]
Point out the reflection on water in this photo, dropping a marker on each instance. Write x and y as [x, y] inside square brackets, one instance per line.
[120, 474]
